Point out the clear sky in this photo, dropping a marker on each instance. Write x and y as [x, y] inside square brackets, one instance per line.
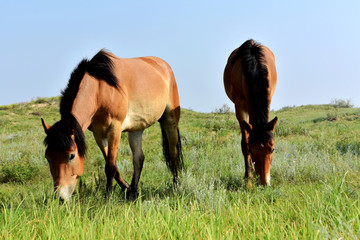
[316, 45]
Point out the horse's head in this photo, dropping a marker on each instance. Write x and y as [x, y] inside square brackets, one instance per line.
[261, 148]
[65, 152]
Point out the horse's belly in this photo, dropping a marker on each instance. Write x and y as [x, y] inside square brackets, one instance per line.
[136, 121]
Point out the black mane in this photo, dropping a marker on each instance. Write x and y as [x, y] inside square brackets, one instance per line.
[256, 77]
[59, 139]
[100, 67]
[261, 135]
[59, 135]
[68, 95]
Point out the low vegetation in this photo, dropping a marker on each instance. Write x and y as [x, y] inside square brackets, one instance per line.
[315, 188]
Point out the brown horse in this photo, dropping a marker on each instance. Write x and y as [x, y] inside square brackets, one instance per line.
[250, 81]
[109, 95]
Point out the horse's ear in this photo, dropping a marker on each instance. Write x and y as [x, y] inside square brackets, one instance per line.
[272, 123]
[45, 126]
[246, 126]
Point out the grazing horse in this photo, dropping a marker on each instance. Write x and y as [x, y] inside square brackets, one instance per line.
[109, 95]
[250, 81]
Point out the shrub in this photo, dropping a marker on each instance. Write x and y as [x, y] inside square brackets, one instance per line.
[348, 144]
[342, 103]
[18, 171]
[223, 109]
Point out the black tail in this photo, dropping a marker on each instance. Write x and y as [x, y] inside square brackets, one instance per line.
[178, 164]
[256, 76]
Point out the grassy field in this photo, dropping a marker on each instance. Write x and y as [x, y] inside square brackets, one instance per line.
[315, 188]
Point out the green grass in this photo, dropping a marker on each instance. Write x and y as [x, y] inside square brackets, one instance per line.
[315, 188]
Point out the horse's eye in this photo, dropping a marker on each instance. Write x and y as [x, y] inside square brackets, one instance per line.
[71, 156]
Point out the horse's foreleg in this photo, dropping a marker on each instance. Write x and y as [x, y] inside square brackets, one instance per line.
[248, 163]
[111, 170]
[135, 142]
[242, 116]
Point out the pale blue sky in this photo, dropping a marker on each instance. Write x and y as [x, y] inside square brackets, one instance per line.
[316, 45]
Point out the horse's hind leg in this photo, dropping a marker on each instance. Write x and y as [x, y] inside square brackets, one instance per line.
[135, 142]
[171, 141]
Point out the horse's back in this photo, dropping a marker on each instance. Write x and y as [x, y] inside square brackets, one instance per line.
[148, 83]
[270, 63]
[157, 64]
[234, 83]
[236, 86]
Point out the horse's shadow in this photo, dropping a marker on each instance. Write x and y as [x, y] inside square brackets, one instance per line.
[97, 189]
[164, 190]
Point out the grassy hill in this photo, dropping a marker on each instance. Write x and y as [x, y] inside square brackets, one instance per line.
[314, 193]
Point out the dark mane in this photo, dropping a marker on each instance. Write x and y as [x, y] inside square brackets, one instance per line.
[100, 67]
[69, 93]
[256, 77]
[59, 139]
[260, 135]
[59, 135]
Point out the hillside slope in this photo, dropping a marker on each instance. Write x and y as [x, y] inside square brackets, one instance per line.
[317, 155]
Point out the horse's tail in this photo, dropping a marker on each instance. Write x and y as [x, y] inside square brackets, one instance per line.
[256, 72]
[173, 164]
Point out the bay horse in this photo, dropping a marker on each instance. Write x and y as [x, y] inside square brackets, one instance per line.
[109, 95]
[250, 82]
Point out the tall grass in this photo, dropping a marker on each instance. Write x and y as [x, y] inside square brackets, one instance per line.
[313, 211]
[314, 193]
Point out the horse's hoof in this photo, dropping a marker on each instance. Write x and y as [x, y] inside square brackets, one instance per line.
[132, 195]
[248, 184]
[176, 181]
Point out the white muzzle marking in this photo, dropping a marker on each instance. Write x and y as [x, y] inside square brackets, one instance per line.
[268, 179]
[65, 192]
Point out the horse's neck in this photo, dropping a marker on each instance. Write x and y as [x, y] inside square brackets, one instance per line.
[259, 117]
[85, 103]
